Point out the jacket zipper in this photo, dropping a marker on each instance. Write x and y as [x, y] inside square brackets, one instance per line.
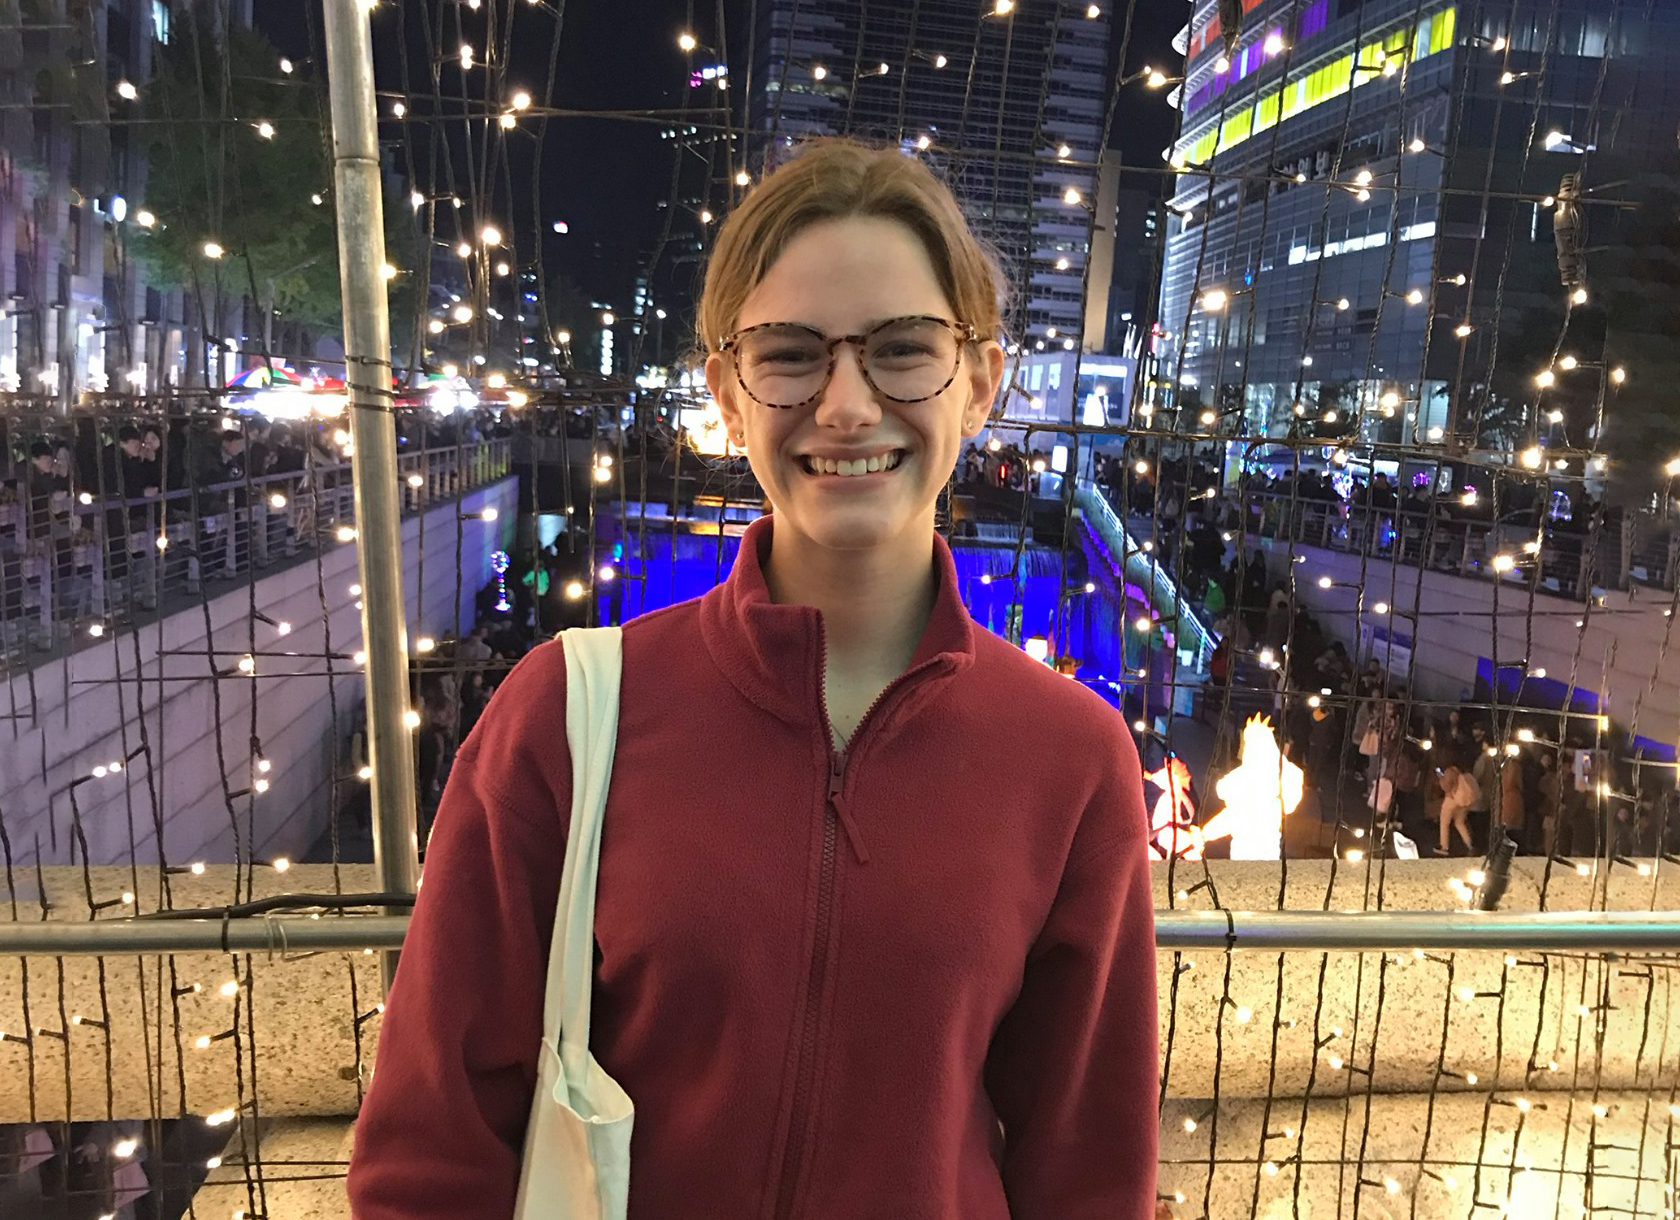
[793, 1161]
[804, 1081]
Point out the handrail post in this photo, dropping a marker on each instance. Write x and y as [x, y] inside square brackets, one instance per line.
[367, 376]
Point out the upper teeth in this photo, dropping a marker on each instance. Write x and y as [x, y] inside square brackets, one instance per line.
[860, 466]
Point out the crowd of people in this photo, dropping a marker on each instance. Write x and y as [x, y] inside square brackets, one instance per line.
[1447, 776]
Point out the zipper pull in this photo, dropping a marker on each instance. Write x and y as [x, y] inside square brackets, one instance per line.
[836, 778]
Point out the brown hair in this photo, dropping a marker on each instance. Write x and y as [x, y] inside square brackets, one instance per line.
[832, 179]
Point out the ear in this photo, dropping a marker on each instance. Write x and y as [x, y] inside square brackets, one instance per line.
[985, 379]
[724, 393]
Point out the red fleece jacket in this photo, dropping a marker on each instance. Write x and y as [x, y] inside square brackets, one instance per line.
[914, 980]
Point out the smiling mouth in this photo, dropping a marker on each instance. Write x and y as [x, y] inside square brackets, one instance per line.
[850, 470]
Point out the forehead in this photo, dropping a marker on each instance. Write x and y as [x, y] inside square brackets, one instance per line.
[842, 276]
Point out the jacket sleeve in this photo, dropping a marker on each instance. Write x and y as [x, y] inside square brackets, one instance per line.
[443, 1121]
[1073, 1071]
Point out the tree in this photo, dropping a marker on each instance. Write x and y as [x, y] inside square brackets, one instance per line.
[569, 308]
[1639, 285]
[239, 158]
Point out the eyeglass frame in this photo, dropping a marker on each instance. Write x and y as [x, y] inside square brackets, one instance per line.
[965, 333]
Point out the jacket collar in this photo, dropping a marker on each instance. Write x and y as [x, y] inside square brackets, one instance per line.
[772, 653]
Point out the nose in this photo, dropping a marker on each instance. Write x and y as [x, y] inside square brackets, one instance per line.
[848, 402]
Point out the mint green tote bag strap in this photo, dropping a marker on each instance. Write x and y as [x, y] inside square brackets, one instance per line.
[576, 1162]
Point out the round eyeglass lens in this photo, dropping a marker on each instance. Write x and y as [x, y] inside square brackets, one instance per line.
[907, 359]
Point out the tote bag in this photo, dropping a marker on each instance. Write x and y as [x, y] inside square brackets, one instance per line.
[576, 1162]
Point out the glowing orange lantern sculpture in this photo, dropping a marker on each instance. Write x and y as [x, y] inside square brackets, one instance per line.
[1262, 790]
[1173, 822]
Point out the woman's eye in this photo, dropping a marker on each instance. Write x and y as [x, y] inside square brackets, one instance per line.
[787, 356]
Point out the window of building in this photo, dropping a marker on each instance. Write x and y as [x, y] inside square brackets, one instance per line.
[160, 20]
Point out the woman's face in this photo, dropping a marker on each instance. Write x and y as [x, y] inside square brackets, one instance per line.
[843, 277]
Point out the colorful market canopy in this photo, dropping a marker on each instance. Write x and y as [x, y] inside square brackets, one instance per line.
[267, 377]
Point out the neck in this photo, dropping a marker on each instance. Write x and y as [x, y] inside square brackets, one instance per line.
[875, 604]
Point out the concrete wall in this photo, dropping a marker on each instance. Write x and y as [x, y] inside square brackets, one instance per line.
[194, 734]
[1623, 654]
[1329, 1134]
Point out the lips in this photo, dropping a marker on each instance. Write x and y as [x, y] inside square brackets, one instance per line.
[851, 468]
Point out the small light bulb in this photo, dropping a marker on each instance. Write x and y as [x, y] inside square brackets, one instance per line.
[127, 91]
[265, 129]
[230, 989]
[411, 719]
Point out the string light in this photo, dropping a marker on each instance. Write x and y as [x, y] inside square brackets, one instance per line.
[127, 91]
[265, 129]
[213, 250]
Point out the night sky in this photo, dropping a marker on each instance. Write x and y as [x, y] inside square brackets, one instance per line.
[606, 177]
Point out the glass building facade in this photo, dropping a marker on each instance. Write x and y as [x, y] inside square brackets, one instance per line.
[1360, 207]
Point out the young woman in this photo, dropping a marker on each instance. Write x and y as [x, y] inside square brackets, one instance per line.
[1459, 794]
[874, 919]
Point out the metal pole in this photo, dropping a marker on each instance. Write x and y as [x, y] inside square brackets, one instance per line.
[367, 367]
[1207, 931]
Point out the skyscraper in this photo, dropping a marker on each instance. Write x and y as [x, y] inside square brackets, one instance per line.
[1005, 99]
[1367, 194]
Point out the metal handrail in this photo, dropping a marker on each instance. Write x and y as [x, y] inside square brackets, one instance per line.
[1277, 931]
[79, 568]
[1164, 594]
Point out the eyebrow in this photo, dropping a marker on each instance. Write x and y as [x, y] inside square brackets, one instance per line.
[864, 330]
